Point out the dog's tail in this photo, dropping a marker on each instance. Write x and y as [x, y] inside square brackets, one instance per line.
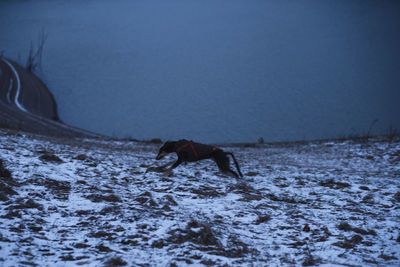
[236, 163]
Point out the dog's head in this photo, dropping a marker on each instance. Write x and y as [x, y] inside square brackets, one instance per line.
[167, 148]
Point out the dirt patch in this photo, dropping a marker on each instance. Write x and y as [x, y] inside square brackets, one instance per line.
[102, 234]
[50, 158]
[310, 260]
[169, 200]
[344, 226]
[202, 235]
[287, 199]
[4, 173]
[250, 174]
[110, 210]
[6, 183]
[115, 261]
[195, 232]
[387, 257]
[262, 219]
[331, 183]
[206, 191]
[22, 204]
[235, 247]
[81, 157]
[146, 199]
[61, 189]
[6, 191]
[349, 243]
[396, 197]
[248, 192]
[106, 197]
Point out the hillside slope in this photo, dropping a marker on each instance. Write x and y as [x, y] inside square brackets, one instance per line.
[27, 104]
[91, 202]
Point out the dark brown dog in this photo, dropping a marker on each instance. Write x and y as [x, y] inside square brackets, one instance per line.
[189, 151]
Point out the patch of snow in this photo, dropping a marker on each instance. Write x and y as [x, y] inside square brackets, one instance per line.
[329, 203]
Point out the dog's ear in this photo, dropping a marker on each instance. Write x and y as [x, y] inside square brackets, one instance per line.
[168, 146]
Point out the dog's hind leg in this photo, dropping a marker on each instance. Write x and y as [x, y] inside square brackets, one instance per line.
[232, 173]
[236, 163]
[222, 161]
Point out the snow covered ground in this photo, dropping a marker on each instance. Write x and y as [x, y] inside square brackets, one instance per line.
[88, 202]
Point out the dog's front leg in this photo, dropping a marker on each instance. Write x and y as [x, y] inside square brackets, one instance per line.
[159, 168]
[166, 164]
[176, 164]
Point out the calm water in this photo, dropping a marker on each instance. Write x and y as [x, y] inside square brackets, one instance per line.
[215, 70]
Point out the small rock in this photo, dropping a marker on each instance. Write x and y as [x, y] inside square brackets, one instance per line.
[158, 244]
[356, 239]
[110, 210]
[252, 174]
[387, 257]
[81, 245]
[115, 261]
[146, 199]
[60, 188]
[12, 214]
[166, 207]
[196, 232]
[263, 219]
[306, 228]
[35, 228]
[208, 262]
[100, 198]
[396, 196]
[81, 157]
[331, 183]
[31, 204]
[349, 243]
[168, 199]
[51, 158]
[310, 260]
[3, 197]
[103, 248]
[344, 226]
[4, 173]
[100, 234]
[67, 257]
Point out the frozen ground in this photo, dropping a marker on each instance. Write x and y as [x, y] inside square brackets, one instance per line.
[90, 202]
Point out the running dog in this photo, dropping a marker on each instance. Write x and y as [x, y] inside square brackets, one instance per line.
[189, 151]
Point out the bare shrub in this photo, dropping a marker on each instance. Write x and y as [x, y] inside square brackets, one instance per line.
[35, 55]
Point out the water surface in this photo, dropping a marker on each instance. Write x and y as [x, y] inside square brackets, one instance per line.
[215, 70]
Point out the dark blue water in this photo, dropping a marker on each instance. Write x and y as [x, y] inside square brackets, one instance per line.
[215, 70]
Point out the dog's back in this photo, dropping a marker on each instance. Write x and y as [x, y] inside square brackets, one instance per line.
[192, 151]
